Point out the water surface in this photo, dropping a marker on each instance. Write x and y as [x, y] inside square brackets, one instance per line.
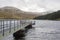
[43, 30]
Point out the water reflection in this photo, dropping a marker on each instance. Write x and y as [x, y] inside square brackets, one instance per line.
[27, 33]
[43, 30]
[20, 39]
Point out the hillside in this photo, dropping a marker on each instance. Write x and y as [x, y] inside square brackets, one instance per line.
[15, 13]
[50, 16]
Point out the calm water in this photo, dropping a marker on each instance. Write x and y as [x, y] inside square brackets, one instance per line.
[43, 30]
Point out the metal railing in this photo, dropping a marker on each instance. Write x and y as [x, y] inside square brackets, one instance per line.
[8, 25]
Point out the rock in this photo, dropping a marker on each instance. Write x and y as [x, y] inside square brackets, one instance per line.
[28, 27]
[19, 34]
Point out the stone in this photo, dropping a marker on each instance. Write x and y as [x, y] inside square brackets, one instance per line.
[28, 27]
[19, 34]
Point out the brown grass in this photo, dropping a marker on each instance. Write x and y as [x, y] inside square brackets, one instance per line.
[6, 15]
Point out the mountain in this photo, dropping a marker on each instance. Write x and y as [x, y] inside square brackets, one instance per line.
[15, 13]
[50, 16]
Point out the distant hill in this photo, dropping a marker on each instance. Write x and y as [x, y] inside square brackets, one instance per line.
[50, 16]
[15, 13]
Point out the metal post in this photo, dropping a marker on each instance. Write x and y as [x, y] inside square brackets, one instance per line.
[3, 27]
[9, 26]
[14, 25]
[17, 24]
[20, 23]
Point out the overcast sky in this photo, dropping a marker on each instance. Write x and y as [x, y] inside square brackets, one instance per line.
[32, 5]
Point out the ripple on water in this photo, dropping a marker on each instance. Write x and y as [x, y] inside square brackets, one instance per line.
[42, 34]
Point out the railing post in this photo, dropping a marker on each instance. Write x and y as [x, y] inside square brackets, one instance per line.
[17, 24]
[9, 26]
[20, 23]
[14, 25]
[3, 27]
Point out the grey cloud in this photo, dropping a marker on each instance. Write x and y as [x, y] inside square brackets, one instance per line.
[32, 4]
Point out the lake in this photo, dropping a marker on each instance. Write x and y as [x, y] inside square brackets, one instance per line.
[43, 30]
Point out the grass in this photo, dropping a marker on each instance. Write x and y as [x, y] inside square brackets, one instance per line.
[6, 15]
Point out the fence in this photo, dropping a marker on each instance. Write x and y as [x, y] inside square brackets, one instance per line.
[8, 25]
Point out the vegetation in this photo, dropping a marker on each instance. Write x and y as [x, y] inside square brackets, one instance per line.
[14, 13]
[51, 16]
